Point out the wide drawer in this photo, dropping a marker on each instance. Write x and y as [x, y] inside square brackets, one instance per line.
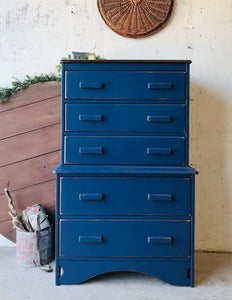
[125, 117]
[128, 150]
[124, 238]
[125, 85]
[124, 196]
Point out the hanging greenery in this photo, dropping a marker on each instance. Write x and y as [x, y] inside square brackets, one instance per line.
[18, 85]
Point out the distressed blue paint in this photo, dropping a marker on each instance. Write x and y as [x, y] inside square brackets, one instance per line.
[139, 195]
[125, 192]
[127, 150]
[124, 238]
[126, 84]
[118, 117]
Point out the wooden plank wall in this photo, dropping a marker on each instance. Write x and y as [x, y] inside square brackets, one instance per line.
[29, 150]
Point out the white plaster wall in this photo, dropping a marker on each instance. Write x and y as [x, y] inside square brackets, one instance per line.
[34, 35]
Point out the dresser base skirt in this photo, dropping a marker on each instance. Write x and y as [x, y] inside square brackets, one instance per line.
[173, 271]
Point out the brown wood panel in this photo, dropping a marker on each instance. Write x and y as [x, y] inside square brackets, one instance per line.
[34, 93]
[30, 149]
[19, 120]
[10, 233]
[43, 193]
[32, 171]
[31, 144]
[6, 229]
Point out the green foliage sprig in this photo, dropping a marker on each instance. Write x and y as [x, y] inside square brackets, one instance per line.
[18, 85]
[58, 67]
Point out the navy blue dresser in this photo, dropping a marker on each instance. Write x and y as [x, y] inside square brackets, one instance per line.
[125, 191]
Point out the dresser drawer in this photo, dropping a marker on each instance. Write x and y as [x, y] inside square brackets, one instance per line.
[125, 85]
[125, 150]
[124, 238]
[124, 196]
[125, 118]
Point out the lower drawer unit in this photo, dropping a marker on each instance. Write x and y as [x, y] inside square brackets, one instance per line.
[124, 238]
[111, 220]
[125, 196]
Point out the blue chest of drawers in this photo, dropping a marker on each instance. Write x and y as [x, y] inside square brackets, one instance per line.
[125, 191]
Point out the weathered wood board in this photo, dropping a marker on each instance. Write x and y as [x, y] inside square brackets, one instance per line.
[30, 149]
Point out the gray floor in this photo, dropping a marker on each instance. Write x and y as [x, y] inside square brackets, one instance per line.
[213, 282]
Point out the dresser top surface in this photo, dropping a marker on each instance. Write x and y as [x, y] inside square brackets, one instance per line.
[130, 61]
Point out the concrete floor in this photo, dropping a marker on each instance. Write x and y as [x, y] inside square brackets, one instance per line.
[213, 282]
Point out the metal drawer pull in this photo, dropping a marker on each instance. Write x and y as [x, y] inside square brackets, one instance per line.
[160, 197]
[91, 197]
[159, 151]
[91, 118]
[91, 239]
[91, 85]
[160, 86]
[159, 119]
[159, 240]
[91, 150]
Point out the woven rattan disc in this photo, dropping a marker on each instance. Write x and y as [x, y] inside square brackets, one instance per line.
[135, 18]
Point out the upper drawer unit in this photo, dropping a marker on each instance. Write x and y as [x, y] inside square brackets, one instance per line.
[125, 85]
[124, 150]
[169, 118]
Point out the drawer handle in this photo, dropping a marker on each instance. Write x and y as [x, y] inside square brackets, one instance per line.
[91, 118]
[91, 85]
[91, 150]
[159, 240]
[159, 119]
[159, 151]
[160, 197]
[160, 86]
[90, 239]
[91, 197]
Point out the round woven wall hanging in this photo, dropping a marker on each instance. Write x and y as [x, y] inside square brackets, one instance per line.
[135, 18]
